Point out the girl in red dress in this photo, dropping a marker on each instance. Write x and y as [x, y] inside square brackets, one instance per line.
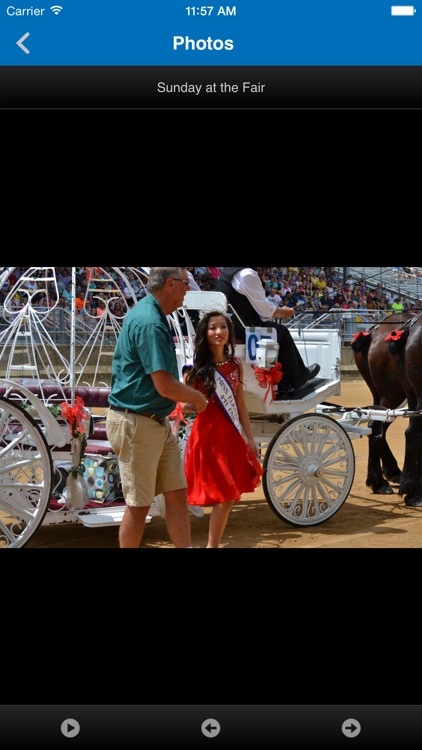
[220, 463]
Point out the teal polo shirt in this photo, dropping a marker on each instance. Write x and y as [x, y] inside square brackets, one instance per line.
[145, 345]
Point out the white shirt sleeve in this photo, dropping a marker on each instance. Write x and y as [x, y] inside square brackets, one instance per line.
[248, 282]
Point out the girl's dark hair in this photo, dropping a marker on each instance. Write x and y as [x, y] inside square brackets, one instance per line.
[203, 363]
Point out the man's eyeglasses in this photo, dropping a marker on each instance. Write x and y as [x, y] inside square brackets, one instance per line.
[186, 283]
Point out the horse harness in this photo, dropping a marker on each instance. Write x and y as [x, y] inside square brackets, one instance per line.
[403, 325]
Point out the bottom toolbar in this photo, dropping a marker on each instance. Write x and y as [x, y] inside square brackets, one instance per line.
[247, 726]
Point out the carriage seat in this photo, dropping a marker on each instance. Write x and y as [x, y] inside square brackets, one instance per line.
[92, 397]
[97, 446]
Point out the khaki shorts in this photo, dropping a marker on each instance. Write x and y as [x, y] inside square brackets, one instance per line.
[149, 457]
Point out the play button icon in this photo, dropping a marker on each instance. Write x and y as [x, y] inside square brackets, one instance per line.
[70, 728]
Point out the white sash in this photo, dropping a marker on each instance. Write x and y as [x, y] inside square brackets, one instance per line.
[227, 399]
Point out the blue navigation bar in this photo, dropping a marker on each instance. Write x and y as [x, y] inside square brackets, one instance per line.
[177, 33]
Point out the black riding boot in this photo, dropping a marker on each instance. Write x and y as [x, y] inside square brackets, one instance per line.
[295, 371]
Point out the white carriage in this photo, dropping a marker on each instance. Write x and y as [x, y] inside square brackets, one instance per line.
[51, 356]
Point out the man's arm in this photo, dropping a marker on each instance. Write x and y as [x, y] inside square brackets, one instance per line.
[169, 387]
[248, 282]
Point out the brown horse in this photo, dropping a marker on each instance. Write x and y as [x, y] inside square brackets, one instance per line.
[389, 358]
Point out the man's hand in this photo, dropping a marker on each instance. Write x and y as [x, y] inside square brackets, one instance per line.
[169, 387]
[198, 401]
[283, 312]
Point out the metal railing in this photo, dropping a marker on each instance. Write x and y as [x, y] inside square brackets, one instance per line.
[347, 322]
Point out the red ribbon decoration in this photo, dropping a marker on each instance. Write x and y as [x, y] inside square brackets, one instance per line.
[268, 379]
[359, 334]
[394, 336]
[178, 416]
[74, 414]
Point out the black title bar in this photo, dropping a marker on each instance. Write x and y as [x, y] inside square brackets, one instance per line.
[238, 87]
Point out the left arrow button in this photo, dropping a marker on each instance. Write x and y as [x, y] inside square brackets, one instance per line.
[21, 45]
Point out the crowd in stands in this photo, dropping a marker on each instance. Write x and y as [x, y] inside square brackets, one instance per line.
[318, 290]
[311, 289]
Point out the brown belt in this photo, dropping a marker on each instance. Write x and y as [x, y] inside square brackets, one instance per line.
[155, 417]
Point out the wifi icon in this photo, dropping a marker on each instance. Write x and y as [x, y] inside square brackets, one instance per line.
[56, 9]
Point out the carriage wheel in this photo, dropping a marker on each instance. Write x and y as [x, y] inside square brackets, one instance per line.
[309, 469]
[26, 475]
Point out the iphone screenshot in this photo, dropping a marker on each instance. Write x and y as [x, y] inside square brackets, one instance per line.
[274, 54]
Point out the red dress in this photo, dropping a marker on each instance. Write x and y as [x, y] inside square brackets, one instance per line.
[219, 464]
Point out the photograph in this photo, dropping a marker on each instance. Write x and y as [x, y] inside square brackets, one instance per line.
[208, 407]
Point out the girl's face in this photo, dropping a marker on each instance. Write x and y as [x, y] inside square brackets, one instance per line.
[218, 331]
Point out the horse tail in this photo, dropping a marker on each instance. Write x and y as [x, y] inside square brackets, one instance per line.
[361, 342]
[397, 339]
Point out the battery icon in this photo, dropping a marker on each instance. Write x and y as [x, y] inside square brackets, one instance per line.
[403, 10]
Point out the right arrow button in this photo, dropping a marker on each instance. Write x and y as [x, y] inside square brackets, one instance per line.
[351, 728]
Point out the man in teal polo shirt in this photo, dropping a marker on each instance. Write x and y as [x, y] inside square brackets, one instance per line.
[145, 388]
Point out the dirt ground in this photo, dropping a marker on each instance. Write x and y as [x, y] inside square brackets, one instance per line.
[364, 521]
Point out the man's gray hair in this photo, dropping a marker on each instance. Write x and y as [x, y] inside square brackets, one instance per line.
[159, 275]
